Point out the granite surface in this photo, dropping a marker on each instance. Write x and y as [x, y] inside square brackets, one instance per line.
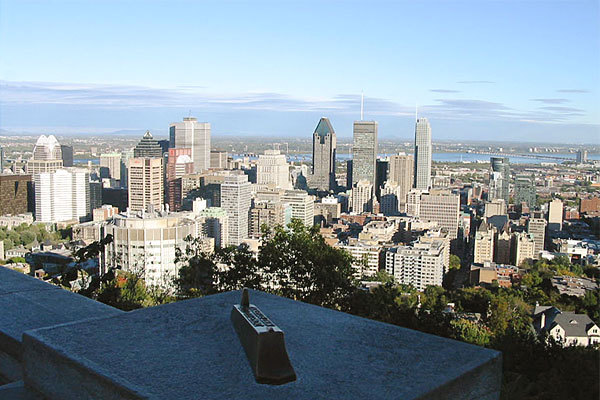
[189, 350]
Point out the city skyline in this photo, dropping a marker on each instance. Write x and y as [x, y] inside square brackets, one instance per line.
[483, 81]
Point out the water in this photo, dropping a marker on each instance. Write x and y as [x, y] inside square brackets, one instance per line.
[440, 157]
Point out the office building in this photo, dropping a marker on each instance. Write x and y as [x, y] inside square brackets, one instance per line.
[63, 195]
[191, 134]
[104, 212]
[582, 156]
[365, 257]
[15, 191]
[148, 147]
[525, 191]
[484, 244]
[47, 156]
[179, 164]
[536, 227]
[391, 196]
[401, 172]
[96, 195]
[442, 208]
[218, 159]
[328, 210]
[216, 225]
[495, 207]
[555, 215]
[323, 157]
[523, 247]
[165, 145]
[2, 155]
[364, 152]
[110, 166]
[502, 247]
[303, 205]
[420, 264]
[362, 197]
[272, 169]
[145, 183]
[422, 166]
[269, 214]
[67, 155]
[381, 175]
[145, 243]
[235, 200]
[499, 179]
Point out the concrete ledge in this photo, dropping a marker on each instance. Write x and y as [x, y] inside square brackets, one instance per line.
[18, 391]
[28, 303]
[189, 350]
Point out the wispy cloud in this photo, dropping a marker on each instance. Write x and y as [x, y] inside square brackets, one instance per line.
[471, 82]
[444, 91]
[573, 91]
[123, 97]
[551, 101]
[564, 110]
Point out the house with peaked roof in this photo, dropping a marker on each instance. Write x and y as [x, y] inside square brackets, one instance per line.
[567, 328]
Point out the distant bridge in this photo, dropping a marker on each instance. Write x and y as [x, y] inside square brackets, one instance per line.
[527, 155]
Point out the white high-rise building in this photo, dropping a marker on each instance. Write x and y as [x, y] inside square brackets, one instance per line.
[484, 244]
[401, 173]
[272, 169]
[362, 197]
[303, 205]
[422, 154]
[63, 195]
[191, 134]
[537, 228]
[419, 265]
[236, 201]
[390, 204]
[555, 215]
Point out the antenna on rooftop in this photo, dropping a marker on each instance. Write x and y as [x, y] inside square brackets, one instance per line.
[362, 105]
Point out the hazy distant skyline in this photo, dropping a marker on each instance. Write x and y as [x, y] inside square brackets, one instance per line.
[485, 70]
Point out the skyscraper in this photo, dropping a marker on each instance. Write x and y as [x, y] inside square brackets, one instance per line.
[422, 172]
[145, 183]
[555, 215]
[324, 150]
[235, 200]
[191, 134]
[67, 155]
[536, 227]
[47, 156]
[14, 192]
[179, 164]
[62, 195]
[303, 205]
[272, 169]
[148, 147]
[525, 191]
[401, 173]
[499, 178]
[364, 152]
[110, 166]
[362, 197]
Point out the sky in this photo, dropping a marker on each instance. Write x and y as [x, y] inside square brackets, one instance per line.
[513, 70]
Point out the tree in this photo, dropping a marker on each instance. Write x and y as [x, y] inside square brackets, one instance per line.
[471, 332]
[454, 262]
[299, 264]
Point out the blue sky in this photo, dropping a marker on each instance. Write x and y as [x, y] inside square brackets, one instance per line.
[513, 70]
